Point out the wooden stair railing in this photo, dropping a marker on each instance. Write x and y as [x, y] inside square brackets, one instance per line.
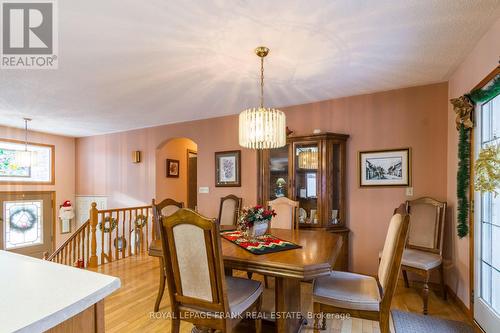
[127, 232]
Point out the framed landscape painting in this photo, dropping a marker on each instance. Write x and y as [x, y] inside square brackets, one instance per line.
[228, 168]
[385, 167]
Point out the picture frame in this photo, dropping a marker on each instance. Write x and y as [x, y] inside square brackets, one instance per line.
[173, 168]
[388, 167]
[228, 168]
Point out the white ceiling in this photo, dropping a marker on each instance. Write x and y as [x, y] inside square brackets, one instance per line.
[127, 64]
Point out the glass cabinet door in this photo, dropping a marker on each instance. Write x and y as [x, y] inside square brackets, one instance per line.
[306, 181]
[335, 212]
[278, 173]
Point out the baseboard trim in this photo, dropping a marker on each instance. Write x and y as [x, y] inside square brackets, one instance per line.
[459, 302]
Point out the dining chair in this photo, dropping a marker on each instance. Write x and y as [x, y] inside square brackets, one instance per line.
[364, 296]
[286, 218]
[424, 250]
[286, 213]
[199, 291]
[165, 208]
[229, 210]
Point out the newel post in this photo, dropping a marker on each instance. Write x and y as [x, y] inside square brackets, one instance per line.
[93, 240]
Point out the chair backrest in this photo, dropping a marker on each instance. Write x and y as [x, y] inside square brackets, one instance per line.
[229, 210]
[165, 208]
[286, 213]
[390, 261]
[427, 224]
[193, 261]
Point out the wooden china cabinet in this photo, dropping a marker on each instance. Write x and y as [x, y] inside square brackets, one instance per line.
[311, 170]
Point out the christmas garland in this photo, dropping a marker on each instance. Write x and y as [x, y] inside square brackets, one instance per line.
[140, 221]
[488, 92]
[108, 220]
[463, 181]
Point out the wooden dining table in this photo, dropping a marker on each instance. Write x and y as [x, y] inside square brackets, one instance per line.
[315, 258]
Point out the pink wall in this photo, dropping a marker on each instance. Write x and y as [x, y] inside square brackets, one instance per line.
[64, 168]
[479, 63]
[174, 188]
[412, 117]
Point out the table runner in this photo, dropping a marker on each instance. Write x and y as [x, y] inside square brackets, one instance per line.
[263, 245]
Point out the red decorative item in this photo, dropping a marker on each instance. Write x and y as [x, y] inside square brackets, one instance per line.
[263, 245]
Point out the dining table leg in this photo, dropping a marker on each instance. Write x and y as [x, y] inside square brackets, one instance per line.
[289, 318]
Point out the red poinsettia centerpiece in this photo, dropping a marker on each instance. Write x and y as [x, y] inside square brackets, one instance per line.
[254, 221]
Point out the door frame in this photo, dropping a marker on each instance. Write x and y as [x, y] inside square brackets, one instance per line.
[54, 218]
[190, 151]
[472, 199]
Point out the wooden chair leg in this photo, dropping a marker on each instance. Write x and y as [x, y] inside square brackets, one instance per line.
[319, 320]
[425, 293]
[175, 324]
[384, 322]
[258, 321]
[161, 287]
[405, 278]
[266, 281]
[443, 285]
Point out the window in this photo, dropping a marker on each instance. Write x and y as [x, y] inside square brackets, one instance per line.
[40, 170]
[490, 214]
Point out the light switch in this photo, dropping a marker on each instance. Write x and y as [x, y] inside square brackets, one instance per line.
[409, 191]
[204, 189]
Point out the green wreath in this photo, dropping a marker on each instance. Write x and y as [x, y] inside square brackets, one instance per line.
[140, 221]
[113, 223]
[22, 227]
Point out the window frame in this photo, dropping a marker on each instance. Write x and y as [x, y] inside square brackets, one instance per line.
[52, 180]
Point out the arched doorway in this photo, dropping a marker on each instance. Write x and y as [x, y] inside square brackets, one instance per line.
[176, 171]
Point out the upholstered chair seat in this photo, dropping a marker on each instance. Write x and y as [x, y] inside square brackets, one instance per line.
[241, 294]
[347, 290]
[420, 259]
[364, 296]
[195, 276]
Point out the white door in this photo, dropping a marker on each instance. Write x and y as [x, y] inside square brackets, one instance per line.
[487, 229]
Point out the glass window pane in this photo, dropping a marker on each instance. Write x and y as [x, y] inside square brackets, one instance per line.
[495, 209]
[495, 243]
[486, 282]
[22, 223]
[495, 117]
[486, 123]
[486, 207]
[486, 242]
[495, 293]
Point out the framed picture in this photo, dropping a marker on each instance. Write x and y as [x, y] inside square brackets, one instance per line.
[228, 168]
[385, 167]
[172, 168]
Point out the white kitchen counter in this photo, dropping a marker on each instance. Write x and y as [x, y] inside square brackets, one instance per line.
[36, 295]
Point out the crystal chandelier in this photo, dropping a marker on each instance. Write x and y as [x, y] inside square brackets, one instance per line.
[23, 157]
[262, 128]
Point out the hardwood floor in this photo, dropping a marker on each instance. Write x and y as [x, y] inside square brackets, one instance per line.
[130, 309]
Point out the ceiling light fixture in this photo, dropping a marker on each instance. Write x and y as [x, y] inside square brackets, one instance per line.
[262, 128]
[23, 157]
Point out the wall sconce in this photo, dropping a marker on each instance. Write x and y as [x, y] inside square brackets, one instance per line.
[136, 156]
